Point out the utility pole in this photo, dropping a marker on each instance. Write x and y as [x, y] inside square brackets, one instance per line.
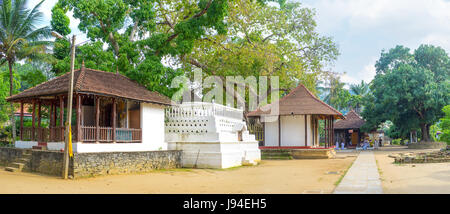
[69, 111]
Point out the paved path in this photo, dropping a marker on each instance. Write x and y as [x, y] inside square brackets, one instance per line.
[362, 177]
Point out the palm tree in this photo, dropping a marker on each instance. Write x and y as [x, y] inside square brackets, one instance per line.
[20, 38]
[360, 89]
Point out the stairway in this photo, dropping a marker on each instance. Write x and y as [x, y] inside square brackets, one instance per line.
[276, 154]
[20, 162]
[41, 146]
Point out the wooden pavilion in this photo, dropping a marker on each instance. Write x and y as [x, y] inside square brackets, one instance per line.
[108, 108]
[348, 130]
[296, 123]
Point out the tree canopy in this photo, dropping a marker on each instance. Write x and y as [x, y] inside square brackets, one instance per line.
[409, 89]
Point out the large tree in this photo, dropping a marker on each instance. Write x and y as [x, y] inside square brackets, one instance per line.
[141, 35]
[410, 89]
[20, 38]
[266, 40]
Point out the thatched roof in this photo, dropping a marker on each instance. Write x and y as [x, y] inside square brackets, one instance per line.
[352, 121]
[90, 81]
[300, 101]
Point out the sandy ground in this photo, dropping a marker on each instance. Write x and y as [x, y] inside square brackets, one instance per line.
[411, 178]
[274, 176]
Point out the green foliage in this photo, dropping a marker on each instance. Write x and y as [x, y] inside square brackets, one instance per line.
[4, 106]
[397, 141]
[140, 35]
[265, 40]
[445, 125]
[409, 89]
[60, 21]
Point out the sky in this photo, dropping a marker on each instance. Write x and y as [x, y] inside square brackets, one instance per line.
[361, 29]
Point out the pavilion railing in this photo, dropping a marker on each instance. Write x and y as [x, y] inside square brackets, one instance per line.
[41, 134]
[88, 134]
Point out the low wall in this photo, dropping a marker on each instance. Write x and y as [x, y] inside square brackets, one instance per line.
[45, 162]
[288, 154]
[218, 155]
[103, 163]
[427, 145]
[91, 164]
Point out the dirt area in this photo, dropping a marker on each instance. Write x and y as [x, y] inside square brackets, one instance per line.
[274, 176]
[411, 178]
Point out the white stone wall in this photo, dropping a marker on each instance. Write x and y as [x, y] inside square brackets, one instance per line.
[208, 136]
[292, 131]
[152, 124]
[25, 144]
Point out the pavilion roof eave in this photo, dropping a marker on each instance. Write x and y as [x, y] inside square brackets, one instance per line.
[30, 98]
[324, 115]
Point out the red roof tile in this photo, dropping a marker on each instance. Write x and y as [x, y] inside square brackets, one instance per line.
[95, 82]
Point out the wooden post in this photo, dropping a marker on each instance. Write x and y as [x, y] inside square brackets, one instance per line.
[33, 118]
[330, 132]
[50, 126]
[61, 118]
[39, 113]
[306, 130]
[332, 129]
[114, 106]
[97, 118]
[79, 134]
[313, 137]
[279, 131]
[21, 120]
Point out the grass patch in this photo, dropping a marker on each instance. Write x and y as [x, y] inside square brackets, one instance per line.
[379, 170]
[343, 174]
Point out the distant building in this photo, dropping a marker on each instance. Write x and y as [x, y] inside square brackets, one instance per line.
[296, 124]
[348, 130]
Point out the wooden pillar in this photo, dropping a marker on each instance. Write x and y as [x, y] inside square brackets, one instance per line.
[61, 118]
[313, 137]
[79, 134]
[33, 119]
[325, 131]
[279, 130]
[21, 120]
[50, 125]
[39, 113]
[114, 122]
[332, 129]
[97, 118]
[306, 130]
[50, 114]
[330, 132]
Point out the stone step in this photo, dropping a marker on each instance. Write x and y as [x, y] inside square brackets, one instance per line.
[26, 155]
[276, 157]
[23, 160]
[40, 147]
[18, 165]
[12, 169]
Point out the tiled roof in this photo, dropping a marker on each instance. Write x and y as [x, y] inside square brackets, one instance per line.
[94, 82]
[352, 121]
[299, 101]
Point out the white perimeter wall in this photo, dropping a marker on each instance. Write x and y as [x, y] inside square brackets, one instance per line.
[152, 124]
[292, 131]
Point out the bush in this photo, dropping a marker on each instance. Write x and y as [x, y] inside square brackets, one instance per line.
[397, 141]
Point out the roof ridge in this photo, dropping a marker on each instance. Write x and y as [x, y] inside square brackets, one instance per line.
[80, 78]
[45, 82]
[330, 107]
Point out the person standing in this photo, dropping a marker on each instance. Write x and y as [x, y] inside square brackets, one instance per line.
[381, 142]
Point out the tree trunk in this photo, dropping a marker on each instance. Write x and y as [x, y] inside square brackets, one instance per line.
[425, 128]
[11, 90]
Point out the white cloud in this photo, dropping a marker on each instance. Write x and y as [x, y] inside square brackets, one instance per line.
[362, 28]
